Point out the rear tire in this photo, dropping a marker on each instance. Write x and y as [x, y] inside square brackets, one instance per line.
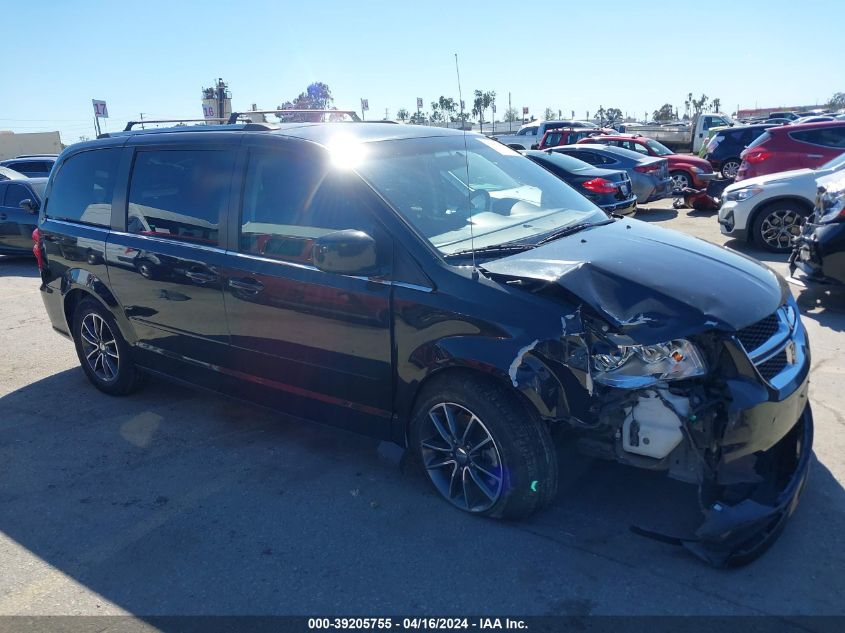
[104, 354]
[776, 224]
[730, 168]
[482, 449]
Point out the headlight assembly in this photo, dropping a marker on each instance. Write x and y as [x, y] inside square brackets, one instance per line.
[635, 366]
[738, 195]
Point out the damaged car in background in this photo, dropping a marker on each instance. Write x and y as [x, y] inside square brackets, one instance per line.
[440, 290]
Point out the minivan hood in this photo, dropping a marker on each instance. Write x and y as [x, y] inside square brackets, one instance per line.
[650, 283]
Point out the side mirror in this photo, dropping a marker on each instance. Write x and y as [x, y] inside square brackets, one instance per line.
[29, 205]
[346, 252]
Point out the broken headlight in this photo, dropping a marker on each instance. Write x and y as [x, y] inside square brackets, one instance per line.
[634, 366]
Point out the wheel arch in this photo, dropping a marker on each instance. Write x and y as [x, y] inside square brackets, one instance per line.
[536, 385]
[78, 285]
[763, 204]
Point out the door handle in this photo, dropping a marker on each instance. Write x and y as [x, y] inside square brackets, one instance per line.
[200, 277]
[2, 216]
[247, 285]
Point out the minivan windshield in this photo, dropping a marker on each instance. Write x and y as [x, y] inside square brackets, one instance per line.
[483, 196]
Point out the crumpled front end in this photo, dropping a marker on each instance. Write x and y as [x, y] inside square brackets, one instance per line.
[683, 359]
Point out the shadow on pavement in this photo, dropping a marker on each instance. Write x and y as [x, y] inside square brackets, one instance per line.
[653, 214]
[178, 502]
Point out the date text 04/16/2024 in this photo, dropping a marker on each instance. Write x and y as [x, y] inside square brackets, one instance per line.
[416, 623]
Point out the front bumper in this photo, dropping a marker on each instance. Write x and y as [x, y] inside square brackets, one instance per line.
[732, 220]
[735, 533]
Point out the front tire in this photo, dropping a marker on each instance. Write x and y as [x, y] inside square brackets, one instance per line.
[103, 352]
[681, 180]
[482, 449]
[776, 225]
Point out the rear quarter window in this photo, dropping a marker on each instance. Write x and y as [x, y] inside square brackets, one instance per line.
[83, 188]
[828, 137]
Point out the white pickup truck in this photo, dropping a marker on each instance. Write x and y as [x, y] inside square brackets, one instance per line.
[687, 137]
[531, 133]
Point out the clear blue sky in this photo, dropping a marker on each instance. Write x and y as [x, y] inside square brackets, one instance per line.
[155, 57]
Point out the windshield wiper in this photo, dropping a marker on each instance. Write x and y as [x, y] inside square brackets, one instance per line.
[569, 230]
[495, 250]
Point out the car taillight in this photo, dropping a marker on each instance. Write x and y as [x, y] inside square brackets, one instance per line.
[599, 185]
[757, 156]
[36, 249]
[647, 169]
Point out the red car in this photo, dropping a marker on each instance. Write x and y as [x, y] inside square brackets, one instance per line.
[686, 170]
[786, 147]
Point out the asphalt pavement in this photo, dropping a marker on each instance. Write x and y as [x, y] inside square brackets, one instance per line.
[173, 501]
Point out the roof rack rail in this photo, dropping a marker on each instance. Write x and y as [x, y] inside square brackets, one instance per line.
[131, 124]
[233, 118]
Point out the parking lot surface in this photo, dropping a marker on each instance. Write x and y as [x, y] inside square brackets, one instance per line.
[174, 501]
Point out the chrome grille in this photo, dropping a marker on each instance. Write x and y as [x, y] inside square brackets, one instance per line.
[772, 367]
[775, 345]
[758, 333]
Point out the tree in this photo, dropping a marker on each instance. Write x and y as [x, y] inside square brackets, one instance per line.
[716, 104]
[665, 113]
[436, 114]
[402, 115]
[417, 118]
[511, 115]
[483, 100]
[548, 114]
[448, 106]
[317, 96]
[837, 101]
[698, 105]
[613, 115]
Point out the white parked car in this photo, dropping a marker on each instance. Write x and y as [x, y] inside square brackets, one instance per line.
[769, 210]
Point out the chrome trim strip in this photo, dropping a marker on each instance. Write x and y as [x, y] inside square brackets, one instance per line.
[271, 260]
[81, 225]
[164, 240]
[403, 284]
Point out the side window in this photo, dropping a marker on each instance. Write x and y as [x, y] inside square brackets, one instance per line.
[83, 188]
[290, 200]
[639, 147]
[528, 131]
[553, 138]
[180, 194]
[37, 167]
[829, 137]
[588, 157]
[14, 195]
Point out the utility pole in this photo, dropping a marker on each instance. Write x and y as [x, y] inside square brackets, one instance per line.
[510, 113]
[142, 118]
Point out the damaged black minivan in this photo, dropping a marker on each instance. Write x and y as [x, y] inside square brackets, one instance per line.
[441, 291]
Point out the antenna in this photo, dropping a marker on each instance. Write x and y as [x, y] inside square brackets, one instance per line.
[466, 164]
